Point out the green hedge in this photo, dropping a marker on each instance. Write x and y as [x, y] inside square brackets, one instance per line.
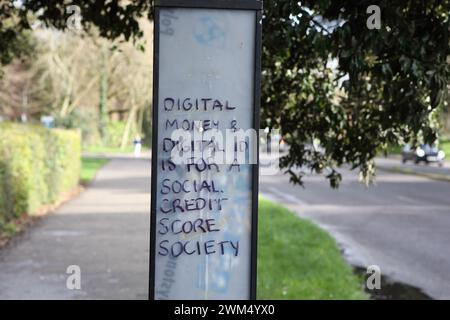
[36, 166]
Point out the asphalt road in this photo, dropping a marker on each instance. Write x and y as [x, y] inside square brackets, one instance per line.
[401, 224]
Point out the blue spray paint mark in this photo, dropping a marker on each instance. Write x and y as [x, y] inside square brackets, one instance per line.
[209, 33]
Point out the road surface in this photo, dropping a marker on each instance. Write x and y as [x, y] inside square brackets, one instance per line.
[401, 224]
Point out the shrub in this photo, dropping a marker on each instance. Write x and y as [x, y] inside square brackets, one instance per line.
[36, 166]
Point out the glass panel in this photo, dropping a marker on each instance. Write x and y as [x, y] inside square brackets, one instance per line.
[203, 231]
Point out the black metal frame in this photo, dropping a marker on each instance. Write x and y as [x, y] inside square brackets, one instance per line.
[212, 4]
[257, 6]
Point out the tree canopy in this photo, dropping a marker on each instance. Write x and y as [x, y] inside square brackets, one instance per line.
[339, 91]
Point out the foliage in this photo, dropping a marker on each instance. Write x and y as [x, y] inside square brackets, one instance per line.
[339, 91]
[109, 151]
[385, 88]
[73, 73]
[86, 122]
[297, 260]
[14, 42]
[36, 166]
[113, 133]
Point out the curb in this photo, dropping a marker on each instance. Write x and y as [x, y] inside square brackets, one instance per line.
[434, 176]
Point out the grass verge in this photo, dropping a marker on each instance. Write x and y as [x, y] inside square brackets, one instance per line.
[298, 260]
[445, 146]
[89, 168]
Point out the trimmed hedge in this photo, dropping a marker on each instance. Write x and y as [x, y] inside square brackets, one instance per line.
[36, 166]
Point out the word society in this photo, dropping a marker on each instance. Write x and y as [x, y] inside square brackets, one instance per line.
[178, 248]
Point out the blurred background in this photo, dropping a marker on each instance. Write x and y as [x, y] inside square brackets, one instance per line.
[80, 80]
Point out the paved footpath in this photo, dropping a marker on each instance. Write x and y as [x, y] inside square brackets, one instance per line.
[105, 231]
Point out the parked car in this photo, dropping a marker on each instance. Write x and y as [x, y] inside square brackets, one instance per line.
[424, 153]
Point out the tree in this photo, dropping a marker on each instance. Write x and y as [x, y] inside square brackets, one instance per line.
[393, 80]
[14, 40]
[77, 75]
[328, 80]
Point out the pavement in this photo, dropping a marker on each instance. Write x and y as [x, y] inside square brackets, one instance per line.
[105, 231]
[401, 224]
[146, 154]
